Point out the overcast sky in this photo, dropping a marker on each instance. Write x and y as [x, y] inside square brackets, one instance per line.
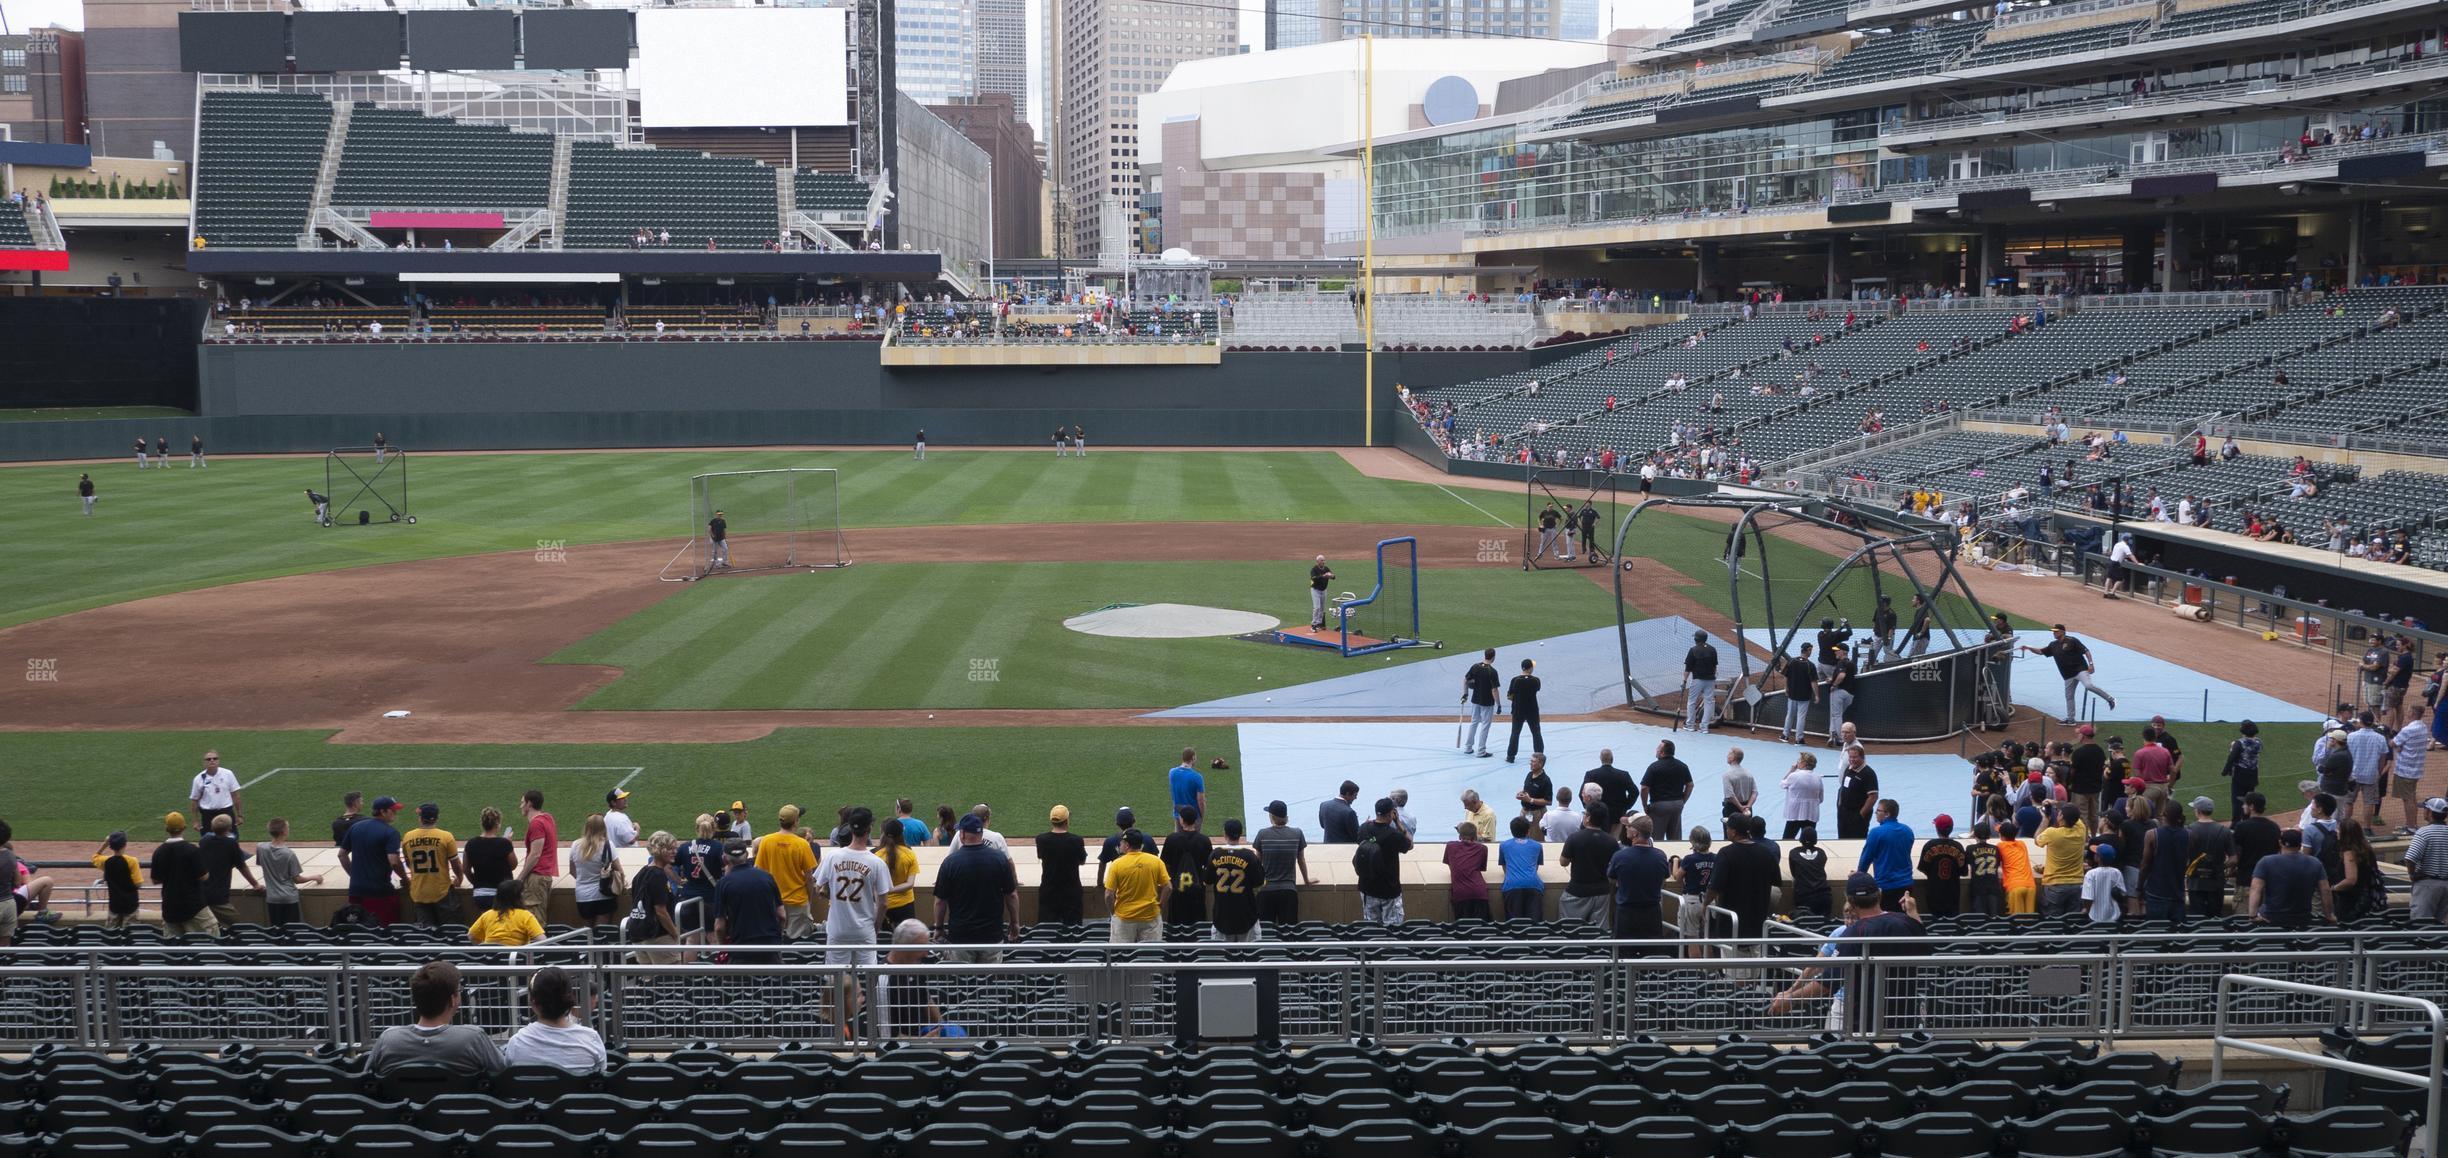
[24, 14]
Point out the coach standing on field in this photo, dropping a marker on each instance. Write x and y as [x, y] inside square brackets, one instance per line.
[718, 533]
[85, 492]
[1479, 691]
[1319, 576]
[214, 792]
[1523, 695]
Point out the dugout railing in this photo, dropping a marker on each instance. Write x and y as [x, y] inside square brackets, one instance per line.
[2094, 988]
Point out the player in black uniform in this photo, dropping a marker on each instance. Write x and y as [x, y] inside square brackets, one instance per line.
[143, 453]
[718, 533]
[322, 506]
[85, 493]
[1237, 873]
[1522, 694]
[161, 449]
[1186, 853]
[918, 447]
[1588, 518]
[1549, 523]
[195, 451]
[1079, 440]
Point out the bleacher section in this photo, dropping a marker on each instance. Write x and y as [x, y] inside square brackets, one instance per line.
[1435, 321]
[1292, 321]
[2088, 39]
[256, 158]
[614, 192]
[1892, 55]
[1716, 24]
[2206, 20]
[827, 193]
[1356, 1100]
[399, 159]
[15, 233]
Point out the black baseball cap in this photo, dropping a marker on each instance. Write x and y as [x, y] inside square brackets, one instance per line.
[1275, 808]
[1861, 887]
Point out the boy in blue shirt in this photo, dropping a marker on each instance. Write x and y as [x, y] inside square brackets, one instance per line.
[1525, 895]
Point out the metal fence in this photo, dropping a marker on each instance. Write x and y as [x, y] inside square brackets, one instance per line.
[2101, 989]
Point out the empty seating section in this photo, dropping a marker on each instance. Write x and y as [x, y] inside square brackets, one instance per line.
[1354, 1100]
[1293, 321]
[256, 159]
[1438, 321]
[14, 232]
[2091, 39]
[400, 159]
[2226, 16]
[829, 193]
[1892, 55]
[1718, 23]
[615, 192]
[2318, 350]
[2383, 405]
[1767, 86]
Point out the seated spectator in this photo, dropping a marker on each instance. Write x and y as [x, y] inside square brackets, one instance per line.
[556, 1038]
[433, 1039]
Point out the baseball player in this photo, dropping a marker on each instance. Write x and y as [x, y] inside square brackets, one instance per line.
[382, 448]
[1548, 522]
[1319, 576]
[1079, 440]
[1062, 442]
[143, 454]
[85, 492]
[161, 450]
[322, 507]
[1588, 518]
[718, 533]
[920, 446]
[195, 451]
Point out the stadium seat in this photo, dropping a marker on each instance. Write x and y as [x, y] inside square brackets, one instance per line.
[2344, 1130]
[1089, 1139]
[2207, 1130]
[1663, 1137]
[1238, 1140]
[1802, 1136]
[523, 1140]
[811, 1140]
[2080, 1133]
[541, 1083]
[112, 1142]
[1939, 1134]
[254, 1141]
[671, 1140]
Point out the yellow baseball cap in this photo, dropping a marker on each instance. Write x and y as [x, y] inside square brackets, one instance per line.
[1061, 814]
[175, 822]
[790, 812]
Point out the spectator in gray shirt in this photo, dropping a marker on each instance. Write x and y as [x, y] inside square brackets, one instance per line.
[433, 1039]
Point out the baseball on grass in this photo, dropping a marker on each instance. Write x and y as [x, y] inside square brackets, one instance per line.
[930, 715]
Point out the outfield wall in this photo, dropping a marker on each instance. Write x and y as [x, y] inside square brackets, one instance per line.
[502, 396]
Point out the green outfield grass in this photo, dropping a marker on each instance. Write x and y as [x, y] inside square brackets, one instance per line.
[1020, 771]
[90, 413]
[992, 635]
[156, 532]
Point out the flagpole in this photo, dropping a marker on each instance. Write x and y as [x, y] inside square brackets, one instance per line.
[1368, 239]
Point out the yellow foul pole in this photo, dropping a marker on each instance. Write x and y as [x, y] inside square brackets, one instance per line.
[1368, 240]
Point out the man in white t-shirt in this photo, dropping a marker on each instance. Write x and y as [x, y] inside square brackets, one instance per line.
[618, 825]
[852, 883]
[1804, 793]
[214, 792]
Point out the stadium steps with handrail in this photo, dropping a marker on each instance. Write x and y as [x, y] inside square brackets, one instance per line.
[557, 198]
[334, 145]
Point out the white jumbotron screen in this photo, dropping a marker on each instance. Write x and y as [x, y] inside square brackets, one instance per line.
[739, 67]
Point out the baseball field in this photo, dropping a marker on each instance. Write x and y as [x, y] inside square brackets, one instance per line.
[521, 626]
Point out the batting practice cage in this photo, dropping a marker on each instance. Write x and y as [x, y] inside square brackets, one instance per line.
[773, 520]
[1801, 573]
[1572, 539]
[366, 485]
[1386, 618]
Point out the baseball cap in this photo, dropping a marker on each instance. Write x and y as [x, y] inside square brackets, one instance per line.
[2116, 741]
[2034, 775]
[2436, 804]
[2086, 731]
[2106, 852]
[1943, 823]
[117, 840]
[174, 822]
[429, 811]
[789, 812]
[2337, 733]
[1060, 814]
[972, 822]
[615, 796]
[2133, 782]
[383, 804]
[1124, 817]
[1276, 808]
[736, 850]
[1861, 887]
[2204, 804]
[739, 806]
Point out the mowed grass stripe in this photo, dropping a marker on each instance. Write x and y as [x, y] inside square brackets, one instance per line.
[974, 661]
[759, 640]
[160, 531]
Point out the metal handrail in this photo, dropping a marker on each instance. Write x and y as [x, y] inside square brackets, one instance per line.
[2430, 1080]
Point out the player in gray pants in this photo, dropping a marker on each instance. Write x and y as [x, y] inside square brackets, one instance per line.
[1319, 576]
[718, 533]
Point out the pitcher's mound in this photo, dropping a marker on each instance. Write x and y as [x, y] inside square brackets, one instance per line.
[1169, 621]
